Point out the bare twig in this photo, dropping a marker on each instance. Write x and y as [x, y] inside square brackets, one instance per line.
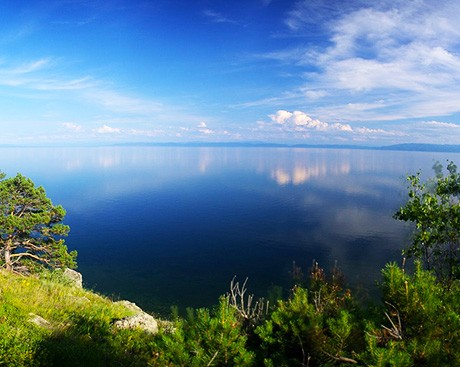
[396, 330]
[244, 303]
[213, 358]
[303, 354]
[340, 358]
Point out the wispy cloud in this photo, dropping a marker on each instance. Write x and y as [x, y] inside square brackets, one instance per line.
[203, 128]
[119, 102]
[17, 33]
[82, 102]
[75, 22]
[105, 129]
[40, 74]
[72, 126]
[216, 17]
[386, 60]
[46, 75]
[30, 67]
[316, 12]
[440, 124]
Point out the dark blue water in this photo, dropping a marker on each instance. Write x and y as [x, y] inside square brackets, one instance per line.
[168, 226]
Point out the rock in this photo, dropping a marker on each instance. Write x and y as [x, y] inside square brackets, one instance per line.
[40, 321]
[74, 276]
[140, 319]
[130, 306]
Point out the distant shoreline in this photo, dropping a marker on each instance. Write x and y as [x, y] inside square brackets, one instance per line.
[409, 147]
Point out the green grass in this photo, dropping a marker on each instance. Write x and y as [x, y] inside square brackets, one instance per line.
[79, 331]
[416, 324]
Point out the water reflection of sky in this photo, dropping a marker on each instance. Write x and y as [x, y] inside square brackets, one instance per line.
[178, 223]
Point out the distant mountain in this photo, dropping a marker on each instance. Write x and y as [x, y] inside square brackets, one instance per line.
[204, 144]
[410, 147]
[401, 147]
[424, 148]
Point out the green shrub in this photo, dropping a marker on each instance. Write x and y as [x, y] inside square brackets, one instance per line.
[421, 324]
[205, 338]
[313, 327]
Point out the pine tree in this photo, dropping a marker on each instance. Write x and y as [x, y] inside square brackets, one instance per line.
[31, 229]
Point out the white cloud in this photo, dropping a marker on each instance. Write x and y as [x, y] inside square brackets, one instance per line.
[72, 127]
[404, 54]
[31, 66]
[439, 124]
[61, 85]
[299, 119]
[207, 131]
[105, 129]
[301, 127]
[415, 68]
[434, 132]
[40, 75]
[365, 106]
[315, 94]
[281, 116]
[203, 128]
[369, 131]
[46, 75]
[145, 133]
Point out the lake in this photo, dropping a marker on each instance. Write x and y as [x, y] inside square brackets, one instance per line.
[165, 226]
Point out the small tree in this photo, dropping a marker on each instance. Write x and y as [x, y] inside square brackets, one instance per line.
[435, 209]
[30, 228]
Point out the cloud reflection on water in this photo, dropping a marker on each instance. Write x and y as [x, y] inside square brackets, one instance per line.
[206, 214]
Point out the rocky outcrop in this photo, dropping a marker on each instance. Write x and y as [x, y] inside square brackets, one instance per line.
[140, 319]
[74, 277]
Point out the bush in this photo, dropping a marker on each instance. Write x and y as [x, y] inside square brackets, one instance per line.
[421, 324]
[314, 327]
[206, 338]
[434, 207]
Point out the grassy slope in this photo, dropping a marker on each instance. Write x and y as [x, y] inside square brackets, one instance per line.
[79, 331]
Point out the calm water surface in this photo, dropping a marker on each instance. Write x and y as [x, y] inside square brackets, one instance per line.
[168, 226]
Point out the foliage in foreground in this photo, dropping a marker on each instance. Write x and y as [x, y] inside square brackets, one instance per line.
[44, 321]
[206, 338]
[417, 324]
[422, 321]
[434, 207]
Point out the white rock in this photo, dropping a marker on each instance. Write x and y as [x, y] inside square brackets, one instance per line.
[40, 321]
[141, 319]
[74, 276]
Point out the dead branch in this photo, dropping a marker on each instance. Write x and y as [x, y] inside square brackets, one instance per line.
[396, 330]
[340, 358]
[212, 359]
[244, 304]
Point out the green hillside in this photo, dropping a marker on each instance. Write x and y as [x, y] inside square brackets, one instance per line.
[47, 321]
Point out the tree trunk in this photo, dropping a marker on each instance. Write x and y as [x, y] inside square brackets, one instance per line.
[8, 265]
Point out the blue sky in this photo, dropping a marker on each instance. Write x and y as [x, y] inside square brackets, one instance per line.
[313, 71]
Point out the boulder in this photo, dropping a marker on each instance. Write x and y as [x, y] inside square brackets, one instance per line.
[140, 319]
[74, 276]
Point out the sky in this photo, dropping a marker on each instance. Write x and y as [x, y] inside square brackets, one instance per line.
[375, 72]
